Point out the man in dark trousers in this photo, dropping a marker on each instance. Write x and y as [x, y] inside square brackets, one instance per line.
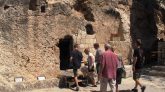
[138, 59]
[76, 58]
[98, 59]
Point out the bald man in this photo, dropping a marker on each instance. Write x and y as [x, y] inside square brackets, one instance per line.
[109, 64]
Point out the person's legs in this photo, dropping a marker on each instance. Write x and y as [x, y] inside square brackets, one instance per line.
[112, 84]
[94, 82]
[117, 88]
[138, 83]
[92, 77]
[136, 77]
[75, 78]
[103, 84]
[98, 68]
[118, 78]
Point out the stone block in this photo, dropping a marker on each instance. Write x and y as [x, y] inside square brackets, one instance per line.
[82, 46]
[83, 33]
[128, 69]
[78, 41]
[94, 41]
[83, 36]
[83, 41]
[90, 41]
[86, 46]
[79, 37]
[74, 37]
[90, 36]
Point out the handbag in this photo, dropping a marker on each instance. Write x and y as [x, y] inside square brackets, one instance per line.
[123, 75]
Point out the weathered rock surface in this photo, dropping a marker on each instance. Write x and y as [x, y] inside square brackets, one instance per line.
[30, 31]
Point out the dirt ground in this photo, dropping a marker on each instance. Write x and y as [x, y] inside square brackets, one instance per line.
[153, 84]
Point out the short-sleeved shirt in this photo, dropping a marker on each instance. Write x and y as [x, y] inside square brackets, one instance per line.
[138, 52]
[98, 55]
[90, 57]
[76, 59]
[109, 64]
[120, 62]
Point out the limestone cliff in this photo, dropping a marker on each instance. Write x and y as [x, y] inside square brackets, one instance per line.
[34, 33]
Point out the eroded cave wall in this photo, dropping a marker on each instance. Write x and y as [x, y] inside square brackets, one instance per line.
[143, 23]
[29, 34]
[146, 19]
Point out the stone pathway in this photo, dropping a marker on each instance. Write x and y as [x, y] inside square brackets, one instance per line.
[153, 84]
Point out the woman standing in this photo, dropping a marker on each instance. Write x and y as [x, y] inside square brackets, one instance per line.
[91, 66]
[120, 70]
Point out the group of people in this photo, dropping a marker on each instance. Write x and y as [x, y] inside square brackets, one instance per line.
[107, 65]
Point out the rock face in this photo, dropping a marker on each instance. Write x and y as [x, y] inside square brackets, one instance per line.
[35, 35]
[147, 24]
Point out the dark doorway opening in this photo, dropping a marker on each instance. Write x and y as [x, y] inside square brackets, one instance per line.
[89, 29]
[43, 9]
[66, 46]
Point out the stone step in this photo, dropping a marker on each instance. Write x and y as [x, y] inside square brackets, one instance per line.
[128, 70]
[159, 68]
[155, 73]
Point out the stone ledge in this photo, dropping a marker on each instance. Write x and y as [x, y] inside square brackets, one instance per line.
[19, 87]
[128, 69]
